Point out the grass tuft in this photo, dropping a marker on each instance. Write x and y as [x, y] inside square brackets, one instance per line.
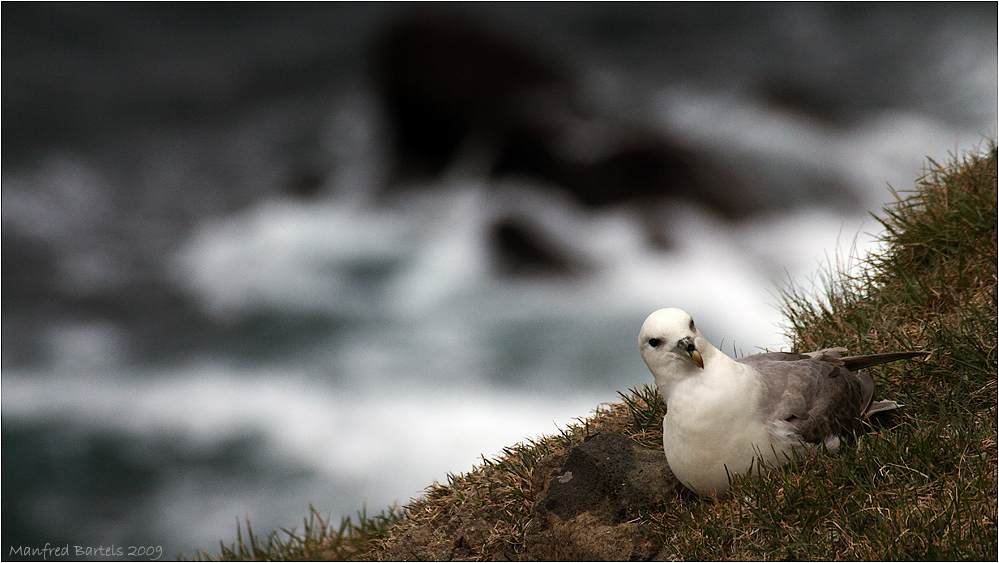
[317, 541]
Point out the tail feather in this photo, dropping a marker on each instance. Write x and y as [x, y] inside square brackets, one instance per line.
[854, 363]
[880, 406]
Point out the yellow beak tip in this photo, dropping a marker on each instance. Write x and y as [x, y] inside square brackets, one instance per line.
[696, 356]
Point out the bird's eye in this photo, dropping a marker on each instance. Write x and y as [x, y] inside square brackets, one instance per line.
[655, 342]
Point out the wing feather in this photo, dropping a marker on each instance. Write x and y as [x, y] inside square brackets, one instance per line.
[819, 395]
[812, 399]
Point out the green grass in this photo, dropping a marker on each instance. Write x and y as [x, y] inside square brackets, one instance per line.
[917, 484]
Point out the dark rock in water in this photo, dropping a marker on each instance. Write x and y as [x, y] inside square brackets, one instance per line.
[521, 249]
[443, 78]
[305, 184]
[801, 99]
[456, 91]
[589, 506]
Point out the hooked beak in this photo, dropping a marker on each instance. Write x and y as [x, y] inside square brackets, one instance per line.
[686, 346]
[696, 356]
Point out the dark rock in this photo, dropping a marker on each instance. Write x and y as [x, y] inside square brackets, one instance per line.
[455, 90]
[442, 78]
[608, 475]
[802, 99]
[522, 248]
[29, 267]
[634, 165]
[305, 184]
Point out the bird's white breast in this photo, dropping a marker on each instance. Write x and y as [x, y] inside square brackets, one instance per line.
[713, 428]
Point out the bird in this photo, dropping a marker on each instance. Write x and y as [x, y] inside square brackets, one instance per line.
[726, 416]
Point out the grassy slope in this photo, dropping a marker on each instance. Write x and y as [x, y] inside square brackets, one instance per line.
[920, 484]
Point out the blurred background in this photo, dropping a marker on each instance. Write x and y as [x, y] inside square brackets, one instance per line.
[257, 256]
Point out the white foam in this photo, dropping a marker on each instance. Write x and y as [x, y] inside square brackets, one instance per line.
[392, 440]
[291, 256]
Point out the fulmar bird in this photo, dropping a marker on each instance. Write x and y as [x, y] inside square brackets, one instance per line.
[724, 416]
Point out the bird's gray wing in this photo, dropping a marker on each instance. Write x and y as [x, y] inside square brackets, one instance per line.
[813, 398]
[819, 394]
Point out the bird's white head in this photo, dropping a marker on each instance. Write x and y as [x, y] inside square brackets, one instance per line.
[672, 346]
